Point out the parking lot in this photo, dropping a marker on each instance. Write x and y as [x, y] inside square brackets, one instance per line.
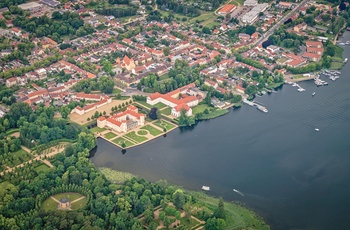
[240, 11]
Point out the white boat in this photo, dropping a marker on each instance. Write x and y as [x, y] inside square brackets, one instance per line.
[317, 130]
[345, 60]
[262, 108]
[313, 94]
[205, 188]
[301, 89]
[235, 190]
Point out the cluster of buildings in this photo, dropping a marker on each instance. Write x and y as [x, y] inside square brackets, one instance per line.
[123, 121]
[183, 98]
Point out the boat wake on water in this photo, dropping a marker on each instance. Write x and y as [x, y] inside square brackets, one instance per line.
[235, 190]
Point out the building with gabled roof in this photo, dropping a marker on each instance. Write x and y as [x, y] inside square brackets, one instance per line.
[123, 121]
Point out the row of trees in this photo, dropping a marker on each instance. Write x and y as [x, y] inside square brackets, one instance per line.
[117, 12]
[104, 84]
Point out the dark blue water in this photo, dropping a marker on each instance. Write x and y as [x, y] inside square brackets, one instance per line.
[294, 177]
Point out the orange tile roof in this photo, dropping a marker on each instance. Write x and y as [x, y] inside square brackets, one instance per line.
[180, 107]
[313, 43]
[88, 96]
[227, 9]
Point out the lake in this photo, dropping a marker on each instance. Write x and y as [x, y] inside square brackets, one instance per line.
[291, 175]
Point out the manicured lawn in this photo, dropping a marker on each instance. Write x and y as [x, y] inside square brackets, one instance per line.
[145, 104]
[49, 205]
[79, 204]
[116, 176]
[213, 114]
[163, 124]
[153, 131]
[97, 129]
[199, 109]
[132, 135]
[110, 135]
[159, 105]
[141, 132]
[166, 111]
[116, 91]
[71, 196]
[121, 140]
[164, 77]
[42, 168]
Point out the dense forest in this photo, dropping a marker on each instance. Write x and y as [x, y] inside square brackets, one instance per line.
[179, 8]
[104, 84]
[59, 25]
[117, 12]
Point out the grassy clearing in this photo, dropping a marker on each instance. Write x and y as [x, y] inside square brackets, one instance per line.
[188, 225]
[199, 109]
[121, 140]
[110, 135]
[42, 168]
[205, 19]
[97, 129]
[71, 196]
[133, 136]
[49, 205]
[145, 104]
[153, 131]
[79, 204]
[116, 91]
[213, 114]
[142, 132]
[163, 124]
[166, 111]
[164, 77]
[116, 176]
[238, 217]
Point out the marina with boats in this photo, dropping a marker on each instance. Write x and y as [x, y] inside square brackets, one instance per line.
[258, 105]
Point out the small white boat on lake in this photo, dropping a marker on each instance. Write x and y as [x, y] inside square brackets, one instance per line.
[317, 130]
[205, 188]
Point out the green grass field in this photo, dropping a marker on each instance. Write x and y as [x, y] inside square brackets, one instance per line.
[199, 109]
[79, 204]
[116, 176]
[71, 196]
[213, 114]
[166, 111]
[97, 129]
[42, 168]
[163, 124]
[142, 132]
[110, 135]
[153, 131]
[133, 136]
[49, 205]
[116, 91]
[121, 140]
[145, 104]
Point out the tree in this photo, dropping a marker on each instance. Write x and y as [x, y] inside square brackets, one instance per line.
[250, 29]
[179, 198]
[206, 30]
[149, 215]
[215, 224]
[153, 113]
[106, 85]
[220, 211]
[166, 51]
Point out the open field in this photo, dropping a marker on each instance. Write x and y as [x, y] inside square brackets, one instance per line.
[116, 176]
[153, 131]
[163, 124]
[199, 108]
[79, 204]
[71, 196]
[110, 135]
[42, 168]
[121, 140]
[132, 135]
[49, 205]
[97, 129]
[213, 114]
[166, 111]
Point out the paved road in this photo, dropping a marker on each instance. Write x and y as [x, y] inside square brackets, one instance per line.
[273, 28]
